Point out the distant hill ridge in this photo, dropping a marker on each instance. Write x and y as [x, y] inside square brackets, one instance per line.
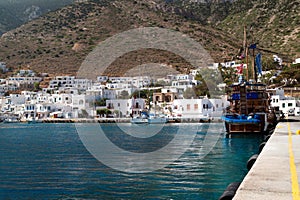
[59, 41]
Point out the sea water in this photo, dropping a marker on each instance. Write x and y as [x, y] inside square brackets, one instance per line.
[50, 161]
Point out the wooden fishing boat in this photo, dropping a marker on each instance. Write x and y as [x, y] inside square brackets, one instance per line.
[250, 110]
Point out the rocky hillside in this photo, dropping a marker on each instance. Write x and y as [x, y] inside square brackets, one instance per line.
[14, 13]
[275, 24]
[59, 41]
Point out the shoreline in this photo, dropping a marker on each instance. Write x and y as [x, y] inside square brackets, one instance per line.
[116, 120]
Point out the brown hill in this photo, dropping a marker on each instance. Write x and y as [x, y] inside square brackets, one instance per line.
[59, 42]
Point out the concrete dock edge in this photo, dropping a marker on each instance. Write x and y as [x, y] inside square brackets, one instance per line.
[274, 175]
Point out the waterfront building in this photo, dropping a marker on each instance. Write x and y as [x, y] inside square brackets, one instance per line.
[198, 108]
[126, 107]
[287, 104]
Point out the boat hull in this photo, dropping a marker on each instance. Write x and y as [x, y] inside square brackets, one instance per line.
[139, 121]
[246, 124]
[233, 128]
[157, 120]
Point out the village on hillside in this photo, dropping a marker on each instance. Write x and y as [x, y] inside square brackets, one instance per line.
[69, 97]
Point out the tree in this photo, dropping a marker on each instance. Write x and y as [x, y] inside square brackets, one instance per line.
[123, 95]
[36, 86]
[118, 113]
[209, 80]
[101, 102]
[103, 112]
[140, 94]
[189, 93]
[84, 114]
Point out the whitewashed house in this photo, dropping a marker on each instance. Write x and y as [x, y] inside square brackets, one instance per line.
[297, 61]
[83, 104]
[99, 91]
[3, 67]
[17, 99]
[23, 80]
[192, 108]
[126, 107]
[26, 72]
[288, 105]
[102, 79]
[199, 108]
[61, 81]
[219, 106]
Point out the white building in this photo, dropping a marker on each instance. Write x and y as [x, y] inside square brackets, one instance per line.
[26, 72]
[297, 61]
[102, 79]
[126, 107]
[183, 84]
[61, 81]
[101, 92]
[23, 80]
[3, 67]
[197, 108]
[288, 105]
[70, 82]
[191, 108]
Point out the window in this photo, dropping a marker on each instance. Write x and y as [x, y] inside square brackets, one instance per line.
[188, 107]
[195, 106]
[283, 105]
[290, 104]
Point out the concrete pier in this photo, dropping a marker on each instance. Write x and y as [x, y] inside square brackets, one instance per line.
[276, 173]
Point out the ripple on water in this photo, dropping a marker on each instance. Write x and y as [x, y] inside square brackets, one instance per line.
[48, 161]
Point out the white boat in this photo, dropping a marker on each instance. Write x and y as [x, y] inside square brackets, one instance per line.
[34, 121]
[139, 120]
[157, 119]
[11, 120]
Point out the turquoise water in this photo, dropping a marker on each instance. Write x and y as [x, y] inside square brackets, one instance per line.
[49, 161]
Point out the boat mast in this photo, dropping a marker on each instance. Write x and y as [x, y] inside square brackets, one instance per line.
[243, 90]
[246, 49]
[253, 55]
